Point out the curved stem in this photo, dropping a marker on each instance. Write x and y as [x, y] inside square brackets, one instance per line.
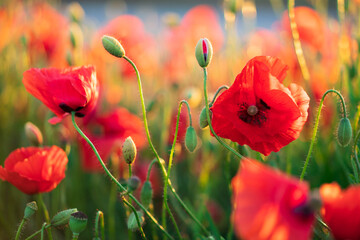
[217, 93]
[122, 188]
[18, 232]
[296, 38]
[37, 232]
[46, 213]
[137, 218]
[209, 120]
[317, 125]
[154, 150]
[149, 169]
[99, 218]
[42, 230]
[165, 201]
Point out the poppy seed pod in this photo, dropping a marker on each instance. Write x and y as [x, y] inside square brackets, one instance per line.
[113, 46]
[203, 52]
[203, 122]
[129, 150]
[190, 139]
[62, 218]
[133, 183]
[344, 132]
[146, 194]
[78, 222]
[30, 209]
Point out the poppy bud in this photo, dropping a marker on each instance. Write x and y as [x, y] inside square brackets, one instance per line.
[133, 183]
[30, 209]
[62, 218]
[203, 122]
[129, 150]
[33, 133]
[203, 52]
[146, 194]
[78, 222]
[113, 46]
[76, 36]
[190, 139]
[76, 12]
[132, 223]
[344, 132]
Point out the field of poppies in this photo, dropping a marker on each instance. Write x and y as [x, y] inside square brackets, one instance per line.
[113, 131]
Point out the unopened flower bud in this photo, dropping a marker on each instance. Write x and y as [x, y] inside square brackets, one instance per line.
[146, 194]
[132, 222]
[344, 132]
[133, 183]
[190, 139]
[78, 222]
[30, 209]
[62, 218]
[33, 133]
[203, 122]
[76, 36]
[113, 46]
[76, 12]
[203, 52]
[129, 150]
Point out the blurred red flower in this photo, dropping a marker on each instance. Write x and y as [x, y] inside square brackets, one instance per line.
[311, 31]
[341, 209]
[48, 35]
[258, 110]
[112, 130]
[267, 204]
[64, 90]
[183, 124]
[34, 169]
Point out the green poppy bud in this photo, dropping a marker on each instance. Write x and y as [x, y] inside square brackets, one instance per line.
[30, 209]
[203, 122]
[62, 218]
[344, 132]
[113, 46]
[132, 223]
[146, 194]
[76, 12]
[203, 52]
[190, 139]
[133, 183]
[129, 150]
[78, 222]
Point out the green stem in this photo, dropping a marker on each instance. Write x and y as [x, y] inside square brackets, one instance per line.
[317, 125]
[136, 217]
[122, 188]
[23, 221]
[149, 169]
[130, 172]
[209, 120]
[75, 236]
[154, 150]
[42, 230]
[165, 201]
[355, 154]
[217, 93]
[99, 218]
[37, 232]
[46, 213]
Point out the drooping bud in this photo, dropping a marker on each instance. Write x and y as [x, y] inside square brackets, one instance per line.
[33, 133]
[133, 183]
[30, 209]
[146, 194]
[203, 122]
[129, 150]
[190, 139]
[344, 132]
[113, 46]
[62, 218]
[203, 52]
[132, 222]
[78, 222]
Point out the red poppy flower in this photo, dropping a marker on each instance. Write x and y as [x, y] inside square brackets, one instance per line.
[64, 90]
[112, 130]
[341, 210]
[267, 204]
[35, 170]
[183, 124]
[258, 110]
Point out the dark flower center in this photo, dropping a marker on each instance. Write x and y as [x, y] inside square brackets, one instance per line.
[304, 211]
[253, 114]
[68, 109]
